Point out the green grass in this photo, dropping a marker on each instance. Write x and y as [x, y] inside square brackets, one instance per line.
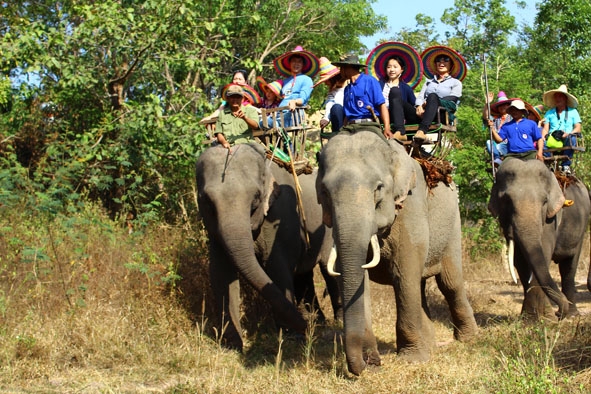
[87, 307]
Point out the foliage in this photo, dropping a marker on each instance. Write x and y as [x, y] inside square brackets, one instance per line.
[110, 93]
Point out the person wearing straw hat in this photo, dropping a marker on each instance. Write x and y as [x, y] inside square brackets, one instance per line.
[271, 92]
[298, 67]
[524, 139]
[499, 118]
[334, 114]
[562, 120]
[235, 121]
[399, 69]
[363, 100]
[446, 69]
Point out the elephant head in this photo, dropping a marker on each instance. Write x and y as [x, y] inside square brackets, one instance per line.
[362, 181]
[236, 189]
[527, 200]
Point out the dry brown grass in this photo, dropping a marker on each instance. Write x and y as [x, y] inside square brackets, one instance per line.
[85, 307]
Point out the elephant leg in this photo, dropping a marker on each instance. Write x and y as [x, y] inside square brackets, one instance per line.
[535, 303]
[410, 339]
[226, 290]
[451, 284]
[280, 269]
[568, 270]
[424, 298]
[306, 295]
[332, 287]
[371, 354]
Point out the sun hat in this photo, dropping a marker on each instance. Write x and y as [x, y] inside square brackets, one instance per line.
[327, 71]
[247, 91]
[349, 60]
[458, 69]
[311, 62]
[548, 98]
[274, 86]
[501, 100]
[413, 70]
[518, 104]
[535, 111]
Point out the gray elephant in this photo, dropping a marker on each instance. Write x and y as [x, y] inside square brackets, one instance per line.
[530, 206]
[372, 192]
[249, 210]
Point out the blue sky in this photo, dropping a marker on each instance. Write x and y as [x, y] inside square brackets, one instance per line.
[401, 13]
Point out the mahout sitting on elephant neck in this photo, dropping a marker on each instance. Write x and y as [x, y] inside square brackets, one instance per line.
[530, 206]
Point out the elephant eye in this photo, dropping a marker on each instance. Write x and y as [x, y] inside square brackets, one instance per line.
[378, 194]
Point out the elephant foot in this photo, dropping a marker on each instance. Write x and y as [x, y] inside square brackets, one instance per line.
[232, 343]
[372, 357]
[572, 312]
[356, 366]
[414, 355]
[466, 332]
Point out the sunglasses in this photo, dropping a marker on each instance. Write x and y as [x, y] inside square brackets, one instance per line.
[445, 59]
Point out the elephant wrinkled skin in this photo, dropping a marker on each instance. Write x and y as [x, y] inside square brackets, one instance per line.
[249, 210]
[528, 202]
[371, 187]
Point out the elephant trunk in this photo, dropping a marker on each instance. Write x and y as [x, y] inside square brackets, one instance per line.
[352, 238]
[533, 250]
[236, 237]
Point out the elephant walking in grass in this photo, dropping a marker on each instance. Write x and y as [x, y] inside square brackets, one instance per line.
[372, 192]
[249, 210]
[530, 206]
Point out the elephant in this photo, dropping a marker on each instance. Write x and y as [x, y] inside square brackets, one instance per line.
[373, 192]
[249, 208]
[530, 206]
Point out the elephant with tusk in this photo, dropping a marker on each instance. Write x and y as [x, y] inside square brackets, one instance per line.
[389, 227]
[530, 206]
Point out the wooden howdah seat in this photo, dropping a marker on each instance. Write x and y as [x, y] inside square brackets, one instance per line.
[558, 153]
[270, 134]
[436, 143]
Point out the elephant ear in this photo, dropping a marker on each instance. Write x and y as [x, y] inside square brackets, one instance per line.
[403, 173]
[269, 190]
[493, 202]
[555, 197]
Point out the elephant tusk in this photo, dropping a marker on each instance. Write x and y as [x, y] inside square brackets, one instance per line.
[332, 258]
[511, 260]
[375, 248]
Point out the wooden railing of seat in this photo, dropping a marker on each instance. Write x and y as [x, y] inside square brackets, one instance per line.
[273, 119]
[558, 153]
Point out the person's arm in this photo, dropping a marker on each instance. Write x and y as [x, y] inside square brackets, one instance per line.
[545, 129]
[495, 134]
[456, 88]
[250, 116]
[540, 149]
[386, 120]
[489, 99]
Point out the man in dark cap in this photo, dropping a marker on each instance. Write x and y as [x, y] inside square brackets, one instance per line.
[363, 102]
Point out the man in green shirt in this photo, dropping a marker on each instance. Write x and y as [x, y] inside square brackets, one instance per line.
[235, 122]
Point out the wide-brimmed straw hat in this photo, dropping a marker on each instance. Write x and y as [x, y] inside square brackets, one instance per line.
[311, 62]
[378, 58]
[274, 86]
[458, 68]
[349, 60]
[247, 91]
[501, 100]
[548, 98]
[535, 111]
[327, 71]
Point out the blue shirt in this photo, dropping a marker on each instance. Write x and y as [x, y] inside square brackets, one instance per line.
[295, 87]
[361, 93]
[566, 121]
[520, 135]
